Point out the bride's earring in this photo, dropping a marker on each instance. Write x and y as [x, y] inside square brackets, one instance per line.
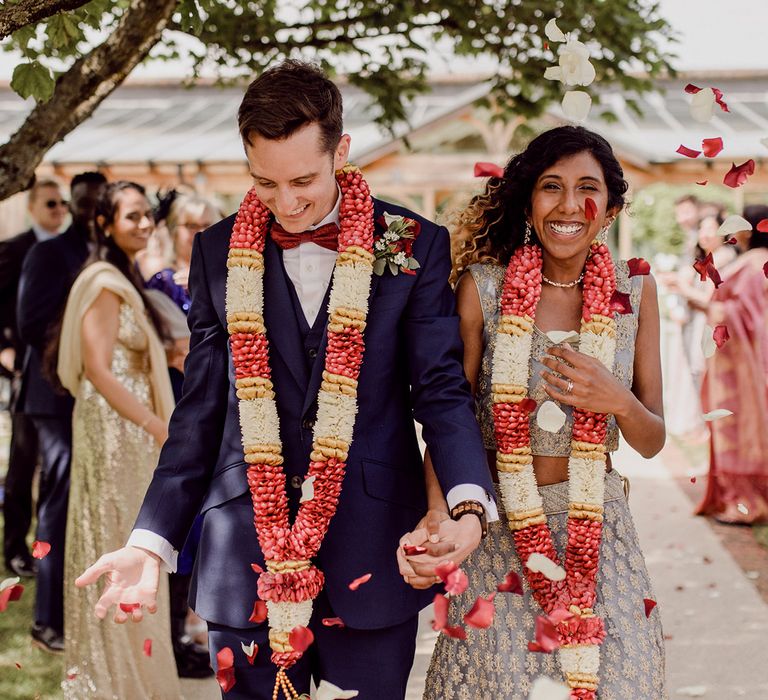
[602, 237]
[527, 237]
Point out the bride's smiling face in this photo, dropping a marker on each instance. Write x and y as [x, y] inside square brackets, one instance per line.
[558, 205]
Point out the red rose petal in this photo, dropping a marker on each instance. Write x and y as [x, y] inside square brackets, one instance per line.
[700, 265]
[454, 632]
[250, 651]
[18, 665]
[10, 595]
[649, 605]
[333, 622]
[547, 638]
[441, 612]
[528, 405]
[702, 182]
[259, 613]
[488, 170]
[687, 152]
[693, 479]
[257, 568]
[620, 302]
[719, 99]
[638, 266]
[412, 550]
[511, 584]
[445, 569]
[560, 615]
[692, 89]
[129, 607]
[225, 675]
[739, 174]
[731, 241]
[456, 583]
[40, 549]
[765, 269]
[762, 226]
[359, 581]
[147, 647]
[714, 275]
[590, 209]
[300, 638]
[711, 147]
[720, 335]
[482, 612]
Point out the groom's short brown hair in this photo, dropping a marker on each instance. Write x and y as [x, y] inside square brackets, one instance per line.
[287, 97]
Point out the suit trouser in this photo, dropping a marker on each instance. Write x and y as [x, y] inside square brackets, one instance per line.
[55, 438]
[17, 507]
[374, 662]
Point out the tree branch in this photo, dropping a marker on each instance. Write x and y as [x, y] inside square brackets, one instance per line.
[81, 89]
[20, 14]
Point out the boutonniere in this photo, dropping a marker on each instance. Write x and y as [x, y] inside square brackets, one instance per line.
[394, 247]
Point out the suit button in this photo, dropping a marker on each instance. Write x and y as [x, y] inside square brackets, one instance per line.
[307, 424]
[312, 353]
[296, 482]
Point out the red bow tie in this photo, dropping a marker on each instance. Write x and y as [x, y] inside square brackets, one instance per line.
[326, 236]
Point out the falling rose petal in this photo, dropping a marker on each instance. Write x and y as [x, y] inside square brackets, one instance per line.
[638, 266]
[300, 638]
[257, 568]
[719, 99]
[714, 275]
[10, 594]
[511, 584]
[590, 209]
[225, 675]
[692, 691]
[329, 691]
[553, 32]
[702, 182]
[731, 241]
[488, 170]
[739, 174]
[9, 583]
[540, 564]
[576, 105]
[528, 405]
[702, 107]
[333, 622]
[649, 605]
[560, 615]
[692, 89]
[454, 631]
[717, 414]
[547, 638]
[711, 147]
[721, 335]
[708, 345]
[544, 688]
[456, 582]
[359, 581]
[558, 337]
[40, 549]
[308, 489]
[620, 302]
[147, 647]
[259, 613]
[550, 417]
[554, 73]
[445, 569]
[482, 612]
[693, 479]
[412, 550]
[250, 651]
[762, 226]
[440, 605]
[701, 265]
[18, 665]
[129, 607]
[687, 152]
[733, 224]
[765, 269]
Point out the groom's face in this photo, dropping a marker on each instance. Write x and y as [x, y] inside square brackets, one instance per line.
[295, 176]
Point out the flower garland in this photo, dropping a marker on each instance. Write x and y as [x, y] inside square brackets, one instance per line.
[291, 580]
[568, 602]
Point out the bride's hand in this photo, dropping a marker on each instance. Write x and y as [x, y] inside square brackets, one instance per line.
[425, 535]
[132, 577]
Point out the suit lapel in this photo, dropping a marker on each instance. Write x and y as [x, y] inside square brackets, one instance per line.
[283, 331]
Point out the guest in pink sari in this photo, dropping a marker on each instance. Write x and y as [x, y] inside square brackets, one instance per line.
[736, 379]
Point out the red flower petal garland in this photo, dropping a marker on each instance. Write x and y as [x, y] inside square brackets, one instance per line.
[291, 581]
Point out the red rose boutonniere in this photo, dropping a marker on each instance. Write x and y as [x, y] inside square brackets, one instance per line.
[393, 249]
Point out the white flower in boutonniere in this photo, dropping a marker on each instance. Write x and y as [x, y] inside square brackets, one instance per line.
[393, 249]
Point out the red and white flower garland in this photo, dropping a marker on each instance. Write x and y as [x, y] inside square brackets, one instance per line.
[569, 602]
[291, 580]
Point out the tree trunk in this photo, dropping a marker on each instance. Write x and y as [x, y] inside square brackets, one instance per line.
[80, 90]
[20, 14]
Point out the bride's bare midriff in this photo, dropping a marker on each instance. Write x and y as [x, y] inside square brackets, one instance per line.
[548, 470]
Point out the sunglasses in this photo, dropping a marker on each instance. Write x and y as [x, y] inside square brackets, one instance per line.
[53, 203]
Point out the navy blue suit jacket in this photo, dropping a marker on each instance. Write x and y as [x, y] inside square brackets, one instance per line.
[412, 369]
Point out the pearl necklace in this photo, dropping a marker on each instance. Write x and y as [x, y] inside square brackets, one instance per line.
[563, 285]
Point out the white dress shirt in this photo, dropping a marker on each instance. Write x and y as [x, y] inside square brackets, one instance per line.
[43, 234]
[310, 267]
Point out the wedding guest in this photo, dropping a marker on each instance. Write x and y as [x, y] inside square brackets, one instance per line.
[537, 251]
[47, 208]
[111, 358]
[47, 274]
[735, 379]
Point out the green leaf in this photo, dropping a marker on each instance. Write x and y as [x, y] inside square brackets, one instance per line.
[379, 266]
[413, 264]
[33, 80]
[394, 269]
[64, 31]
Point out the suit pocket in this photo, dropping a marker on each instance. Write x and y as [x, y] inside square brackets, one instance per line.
[404, 487]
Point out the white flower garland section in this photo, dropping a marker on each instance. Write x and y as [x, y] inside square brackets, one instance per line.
[510, 359]
[283, 617]
[584, 658]
[351, 286]
[260, 423]
[245, 290]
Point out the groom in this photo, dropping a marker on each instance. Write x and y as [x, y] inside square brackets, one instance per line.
[291, 124]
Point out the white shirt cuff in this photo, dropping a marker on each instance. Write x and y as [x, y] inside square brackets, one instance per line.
[154, 543]
[473, 492]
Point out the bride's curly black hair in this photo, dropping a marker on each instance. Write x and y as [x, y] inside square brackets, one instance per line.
[492, 225]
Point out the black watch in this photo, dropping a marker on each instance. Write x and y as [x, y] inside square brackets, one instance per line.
[471, 508]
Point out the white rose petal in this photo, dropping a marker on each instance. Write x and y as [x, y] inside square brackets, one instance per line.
[308, 489]
[391, 219]
[576, 105]
[7, 583]
[554, 73]
[574, 60]
[558, 337]
[717, 413]
[328, 691]
[538, 563]
[550, 417]
[248, 650]
[544, 688]
[553, 32]
[693, 691]
[703, 105]
[733, 224]
[708, 345]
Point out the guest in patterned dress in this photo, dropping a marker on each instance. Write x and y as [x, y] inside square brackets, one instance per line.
[543, 196]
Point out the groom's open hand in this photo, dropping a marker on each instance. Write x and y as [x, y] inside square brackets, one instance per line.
[132, 577]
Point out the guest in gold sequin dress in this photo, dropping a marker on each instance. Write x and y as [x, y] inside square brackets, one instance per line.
[543, 196]
[111, 358]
